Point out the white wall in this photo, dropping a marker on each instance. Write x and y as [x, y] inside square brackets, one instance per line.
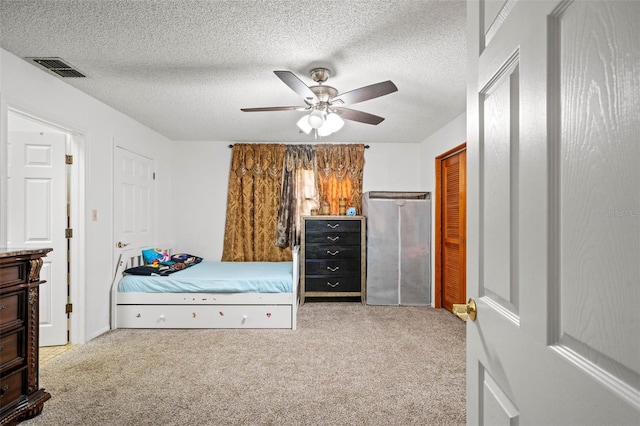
[449, 136]
[200, 180]
[30, 90]
[392, 167]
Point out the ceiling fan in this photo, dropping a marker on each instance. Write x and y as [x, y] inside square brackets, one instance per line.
[326, 107]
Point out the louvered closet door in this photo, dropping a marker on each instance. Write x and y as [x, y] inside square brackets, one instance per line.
[453, 230]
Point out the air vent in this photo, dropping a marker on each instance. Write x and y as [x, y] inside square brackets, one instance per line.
[57, 66]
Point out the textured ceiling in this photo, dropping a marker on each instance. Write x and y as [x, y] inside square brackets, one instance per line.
[185, 68]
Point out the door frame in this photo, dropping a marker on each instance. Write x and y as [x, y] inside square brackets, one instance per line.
[437, 299]
[77, 192]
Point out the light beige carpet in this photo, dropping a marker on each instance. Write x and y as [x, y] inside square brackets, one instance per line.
[346, 364]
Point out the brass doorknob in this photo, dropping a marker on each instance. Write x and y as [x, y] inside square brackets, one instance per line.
[466, 311]
[121, 244]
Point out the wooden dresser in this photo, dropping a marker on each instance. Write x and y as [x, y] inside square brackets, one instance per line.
[332, 257]
[20, 396]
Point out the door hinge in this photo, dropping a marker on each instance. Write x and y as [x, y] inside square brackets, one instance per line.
[68, 233]
[68, 159]
[68, 308]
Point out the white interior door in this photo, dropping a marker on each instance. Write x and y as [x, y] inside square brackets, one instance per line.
[133, 200]
[37, 218]
[554, 212]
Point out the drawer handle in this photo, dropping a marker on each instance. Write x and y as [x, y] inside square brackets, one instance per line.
[333, 269]
[1, 347]
[1, 307]
[3, 390]
[334, 285]
[333, 253]
[336, 238]
[333, 226]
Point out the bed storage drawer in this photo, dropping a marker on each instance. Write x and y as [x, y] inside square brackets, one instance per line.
[204, 316]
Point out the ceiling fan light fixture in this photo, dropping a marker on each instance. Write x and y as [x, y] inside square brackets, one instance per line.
[316, 119]
[334, 122]
[303, 124]
[325, 130]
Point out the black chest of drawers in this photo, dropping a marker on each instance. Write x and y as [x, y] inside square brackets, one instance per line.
[333, 257]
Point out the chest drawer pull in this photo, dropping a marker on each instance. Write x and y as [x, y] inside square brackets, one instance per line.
[336, 238]
[333, 226]
[1, 348]
[333, 269]
[1, 307]
[334, 285]
[3, 390]
[333, 253]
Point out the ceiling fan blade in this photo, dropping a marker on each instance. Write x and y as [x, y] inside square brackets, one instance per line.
[297, 85]
[282, 108]
[365, 93]
[362, 117]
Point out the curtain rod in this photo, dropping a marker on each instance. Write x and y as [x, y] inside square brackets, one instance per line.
[365, 147]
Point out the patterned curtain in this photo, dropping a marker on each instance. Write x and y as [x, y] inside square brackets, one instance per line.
[252, 205]
[299, 193]
[340, 175]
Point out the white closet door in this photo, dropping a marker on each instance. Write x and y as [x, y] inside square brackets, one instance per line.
[133, 200]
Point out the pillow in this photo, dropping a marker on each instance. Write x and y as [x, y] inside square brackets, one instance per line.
[155, 256]
[145, 270]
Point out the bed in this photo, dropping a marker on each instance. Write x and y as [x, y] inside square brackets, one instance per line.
[209, 294]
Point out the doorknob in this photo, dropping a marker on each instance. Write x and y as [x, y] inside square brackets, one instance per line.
[121, 244]
[466, 311]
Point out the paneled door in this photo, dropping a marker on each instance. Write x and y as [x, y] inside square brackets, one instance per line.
[451, 221]
[553, 212]
[37, 218]
[133, 200]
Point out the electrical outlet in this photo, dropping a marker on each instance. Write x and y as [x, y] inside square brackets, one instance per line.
[94, 215]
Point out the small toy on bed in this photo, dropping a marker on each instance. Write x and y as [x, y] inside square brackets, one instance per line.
[155, 256]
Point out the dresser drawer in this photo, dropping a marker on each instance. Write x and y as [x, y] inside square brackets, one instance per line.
[333, 238]
[332, 267]
[314, 251]
[332, 226]
[334, 284]
[11, 347]
[12, 274]
[11, 388]
[10, 309]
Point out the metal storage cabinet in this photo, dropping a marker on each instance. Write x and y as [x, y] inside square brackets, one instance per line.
[398, 247]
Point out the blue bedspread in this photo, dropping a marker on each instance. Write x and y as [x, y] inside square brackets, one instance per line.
[216, 277]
